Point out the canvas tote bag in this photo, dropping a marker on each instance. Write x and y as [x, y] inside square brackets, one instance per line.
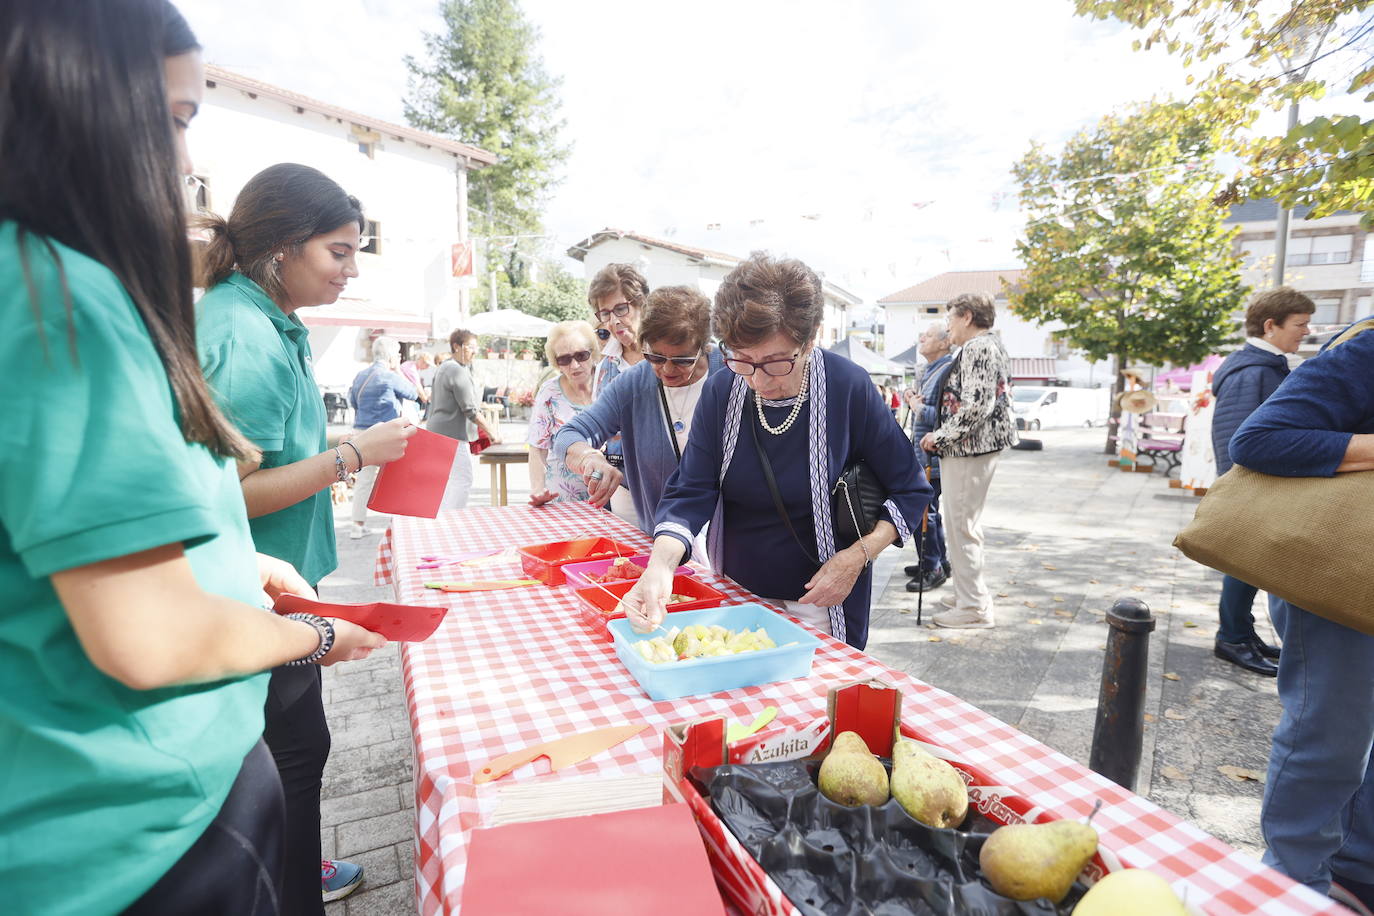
[1305, 539]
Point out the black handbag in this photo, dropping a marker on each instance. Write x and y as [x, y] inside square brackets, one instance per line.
[855, 500]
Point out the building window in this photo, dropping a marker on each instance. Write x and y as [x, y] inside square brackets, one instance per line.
[1328, 311]
[367, 149]
[1319, 249]
[372, 237]
[197, 193]
[1258, 253]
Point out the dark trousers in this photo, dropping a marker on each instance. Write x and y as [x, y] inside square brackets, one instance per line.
[298, 737]
[1237, 620]
[234, 869]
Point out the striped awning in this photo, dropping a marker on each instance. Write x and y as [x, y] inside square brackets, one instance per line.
[1034, 367]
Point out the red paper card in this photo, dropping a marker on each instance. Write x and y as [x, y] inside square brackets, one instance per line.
[414, 483]
[397, 622]
[648, 860]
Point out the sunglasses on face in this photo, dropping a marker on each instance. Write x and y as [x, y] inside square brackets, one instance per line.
[567, 359]
[774, 367]
[682, 362]
[619, 311]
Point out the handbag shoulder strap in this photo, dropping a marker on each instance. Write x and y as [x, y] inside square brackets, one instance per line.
[1353, 331]
[672, 430]
[773, 487]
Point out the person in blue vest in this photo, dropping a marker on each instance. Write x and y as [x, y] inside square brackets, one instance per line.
[935, 346]
[1275, 324]
[1318, 811]
[650, 407]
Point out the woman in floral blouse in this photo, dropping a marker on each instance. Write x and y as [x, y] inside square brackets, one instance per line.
[975, 424]
[571, 347]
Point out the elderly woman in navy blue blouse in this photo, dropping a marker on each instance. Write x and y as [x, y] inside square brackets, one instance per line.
[812, 413]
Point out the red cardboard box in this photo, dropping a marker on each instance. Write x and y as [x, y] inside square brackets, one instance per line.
[873, 710]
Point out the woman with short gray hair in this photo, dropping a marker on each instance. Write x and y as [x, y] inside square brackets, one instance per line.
[376, 397]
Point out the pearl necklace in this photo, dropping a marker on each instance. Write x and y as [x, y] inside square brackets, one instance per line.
[796, 408]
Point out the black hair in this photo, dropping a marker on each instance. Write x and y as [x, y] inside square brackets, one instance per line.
[279, 210]
[88, 159]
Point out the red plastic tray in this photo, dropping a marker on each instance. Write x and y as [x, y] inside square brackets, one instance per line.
[577, 573]
[545, 562]
[596, 605]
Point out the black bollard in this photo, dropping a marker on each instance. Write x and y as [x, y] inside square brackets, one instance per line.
[1121, 703]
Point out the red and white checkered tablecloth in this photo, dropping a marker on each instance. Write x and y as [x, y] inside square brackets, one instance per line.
[510, 669]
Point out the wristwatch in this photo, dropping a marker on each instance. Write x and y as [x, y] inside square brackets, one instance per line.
[326, 631]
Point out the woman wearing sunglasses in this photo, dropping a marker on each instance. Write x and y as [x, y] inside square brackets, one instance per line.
[650, 408]
[786, 420]
[571, 347]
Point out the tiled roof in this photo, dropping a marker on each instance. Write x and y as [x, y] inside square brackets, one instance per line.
[218, 76]
[945, 286]
[1252, 211]
[579, 252]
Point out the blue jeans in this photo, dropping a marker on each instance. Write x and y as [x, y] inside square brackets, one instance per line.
[1318, 814]
[1237, 622]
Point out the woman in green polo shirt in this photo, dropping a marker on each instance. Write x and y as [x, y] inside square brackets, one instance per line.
[289, 243]
[131, 624]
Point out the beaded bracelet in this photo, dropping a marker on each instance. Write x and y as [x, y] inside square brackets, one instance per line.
[324, 628]
[340, 467]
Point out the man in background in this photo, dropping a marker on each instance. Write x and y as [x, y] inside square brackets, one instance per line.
[935, 347]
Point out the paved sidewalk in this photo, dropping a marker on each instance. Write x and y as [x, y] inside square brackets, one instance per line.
[1066, 536]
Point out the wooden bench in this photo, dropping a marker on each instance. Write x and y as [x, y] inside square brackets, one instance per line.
[1161, 439]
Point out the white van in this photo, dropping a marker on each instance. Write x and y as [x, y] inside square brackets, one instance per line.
[1039, 407]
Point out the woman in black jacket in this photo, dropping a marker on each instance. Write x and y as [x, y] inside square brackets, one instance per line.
[1276, 323]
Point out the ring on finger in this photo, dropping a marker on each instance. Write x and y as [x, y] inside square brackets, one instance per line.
[597, 475]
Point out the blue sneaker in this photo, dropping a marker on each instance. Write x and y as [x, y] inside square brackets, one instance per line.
[338, 878]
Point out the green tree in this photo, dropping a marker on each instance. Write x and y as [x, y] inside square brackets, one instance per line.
[1123, 246]
[1255, 55]
[482, 82]
[559, 296]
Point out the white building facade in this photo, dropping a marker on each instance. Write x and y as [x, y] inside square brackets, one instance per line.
[666, 263]
[1330, 259]
[1037, 353]
[412, 185]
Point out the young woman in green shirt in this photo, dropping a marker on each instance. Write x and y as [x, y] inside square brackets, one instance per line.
[132, 625]
[289, 243]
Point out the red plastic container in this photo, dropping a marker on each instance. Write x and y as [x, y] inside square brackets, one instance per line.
[578, 573]
[596, 605]
[545, 562]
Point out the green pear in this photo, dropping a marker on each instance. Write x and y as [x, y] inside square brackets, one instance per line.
[928, 788]
[1130, 892]
[851, 775]
[1028, 861]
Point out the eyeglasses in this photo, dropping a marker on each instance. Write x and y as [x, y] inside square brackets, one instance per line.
[774, 367]
[567, 359]
[682, 362]
[620, 311]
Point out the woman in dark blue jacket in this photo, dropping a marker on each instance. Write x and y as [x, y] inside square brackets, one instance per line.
[1276, 323]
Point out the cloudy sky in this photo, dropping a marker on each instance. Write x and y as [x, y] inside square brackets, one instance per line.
[873, 139]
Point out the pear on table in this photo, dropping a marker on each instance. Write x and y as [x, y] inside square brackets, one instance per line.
[850, 774]
[1029, 861]
[1130, 892]
[928, 788]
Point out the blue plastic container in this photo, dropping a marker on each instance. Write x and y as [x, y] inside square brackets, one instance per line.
[698, 676]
